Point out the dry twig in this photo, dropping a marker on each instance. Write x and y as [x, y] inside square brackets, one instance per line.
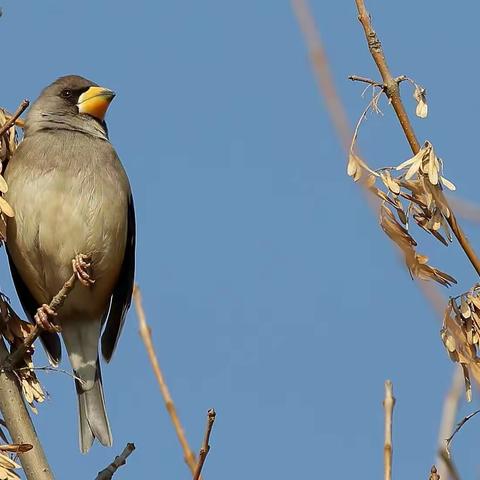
[205, 448]
[146, 335]
[107, 473]
[23, 106]
[459, 426]
[57, 301]
[388, 404]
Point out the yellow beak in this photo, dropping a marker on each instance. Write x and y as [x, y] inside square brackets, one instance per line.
[95, 101]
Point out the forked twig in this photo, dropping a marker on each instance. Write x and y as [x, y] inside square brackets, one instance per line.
[459, 426]
[388, 404]
[107, 473]
[57, 301]
[146, 335]
[11, 121]
[205, 448]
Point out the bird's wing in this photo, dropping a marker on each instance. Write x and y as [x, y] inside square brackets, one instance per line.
[122, 293]
[50, 340]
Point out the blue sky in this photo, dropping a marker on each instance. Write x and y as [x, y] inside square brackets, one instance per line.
[271, 291]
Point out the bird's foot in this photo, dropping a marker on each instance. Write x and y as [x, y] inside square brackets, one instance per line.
[42, 318]
[81, 264]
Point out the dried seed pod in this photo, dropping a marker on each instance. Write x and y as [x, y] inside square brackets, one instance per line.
[420, 95]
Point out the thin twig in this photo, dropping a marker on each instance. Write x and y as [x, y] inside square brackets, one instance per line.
[205, 448]
[446, 467]
[146, 335]
[371, 105]
[48, 368]
[23, 106]
[388, 404]
[392, 91]
[57, 301]
[107, 473]
[356, 78]
[459, 426]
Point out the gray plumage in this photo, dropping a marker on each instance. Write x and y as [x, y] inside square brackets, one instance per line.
[71, 195]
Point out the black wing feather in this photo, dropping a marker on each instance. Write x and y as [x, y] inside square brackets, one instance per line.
[50, 340]
[122, 293]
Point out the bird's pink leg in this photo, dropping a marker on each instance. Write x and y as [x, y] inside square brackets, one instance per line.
[42, 318]
[81, 264]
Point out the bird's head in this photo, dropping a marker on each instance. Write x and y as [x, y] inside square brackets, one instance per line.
[71, 100]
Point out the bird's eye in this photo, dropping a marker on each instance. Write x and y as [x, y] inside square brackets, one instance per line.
[67, 93]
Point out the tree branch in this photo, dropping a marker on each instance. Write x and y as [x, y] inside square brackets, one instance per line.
[392, 90]
[19, 424]
[107, 473]
[338, 114]
[146, 335]
[205, 448]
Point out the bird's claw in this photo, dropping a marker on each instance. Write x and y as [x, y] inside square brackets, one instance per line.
[42, 318]
[81, 263]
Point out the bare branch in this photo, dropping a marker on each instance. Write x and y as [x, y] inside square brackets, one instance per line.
[205, 448]
[23, 106]
[146, 335]
[388, 404]
[107, 473]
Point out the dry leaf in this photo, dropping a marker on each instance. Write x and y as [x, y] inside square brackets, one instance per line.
[448, 184]
[464, 308]
[420, 95]
[433, 166]
[389, 182]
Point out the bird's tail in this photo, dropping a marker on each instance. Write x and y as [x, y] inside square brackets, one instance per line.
[81, 340]
[92, 416]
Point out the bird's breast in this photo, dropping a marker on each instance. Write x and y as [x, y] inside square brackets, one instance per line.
[63, 212]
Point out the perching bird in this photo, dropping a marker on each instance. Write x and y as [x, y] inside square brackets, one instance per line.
[73, 205]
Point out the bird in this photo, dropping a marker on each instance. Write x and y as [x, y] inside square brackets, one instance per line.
[73, 210]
